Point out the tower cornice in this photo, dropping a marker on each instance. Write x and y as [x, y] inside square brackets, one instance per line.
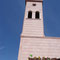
[34, 0]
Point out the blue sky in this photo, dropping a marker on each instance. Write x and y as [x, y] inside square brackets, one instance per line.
[11, 21]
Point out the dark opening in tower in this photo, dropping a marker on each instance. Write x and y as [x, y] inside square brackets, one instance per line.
[37, 15]
[30, 14]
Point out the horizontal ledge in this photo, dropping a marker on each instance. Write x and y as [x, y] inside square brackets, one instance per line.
[40, 37]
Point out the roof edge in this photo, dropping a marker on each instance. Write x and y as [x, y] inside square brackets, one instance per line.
[34, 0]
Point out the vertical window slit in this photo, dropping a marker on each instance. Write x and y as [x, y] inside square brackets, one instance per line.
[30, 14]
[37, 15]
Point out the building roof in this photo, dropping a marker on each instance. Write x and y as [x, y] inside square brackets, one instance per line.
[35, 0]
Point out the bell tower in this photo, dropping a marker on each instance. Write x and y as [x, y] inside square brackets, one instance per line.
[33, 20]
[32, 27]
[33, 43]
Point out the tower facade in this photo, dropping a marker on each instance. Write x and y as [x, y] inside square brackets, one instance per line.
[33, 42]
[33, 20]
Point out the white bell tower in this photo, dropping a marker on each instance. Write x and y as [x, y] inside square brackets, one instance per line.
[33, 20]
[33, 40]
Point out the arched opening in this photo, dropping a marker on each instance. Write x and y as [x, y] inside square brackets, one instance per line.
[30, 14]
[37, 16]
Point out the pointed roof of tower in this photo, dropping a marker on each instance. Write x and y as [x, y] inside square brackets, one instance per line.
[35, 0]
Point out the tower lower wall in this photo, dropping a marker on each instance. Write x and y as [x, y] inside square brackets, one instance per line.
[43, 47]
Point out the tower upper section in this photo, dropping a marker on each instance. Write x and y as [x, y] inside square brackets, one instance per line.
[33, 19]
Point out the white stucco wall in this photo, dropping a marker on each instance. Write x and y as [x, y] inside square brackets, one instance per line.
[43, 47]
[33, 27]
[34, 41]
